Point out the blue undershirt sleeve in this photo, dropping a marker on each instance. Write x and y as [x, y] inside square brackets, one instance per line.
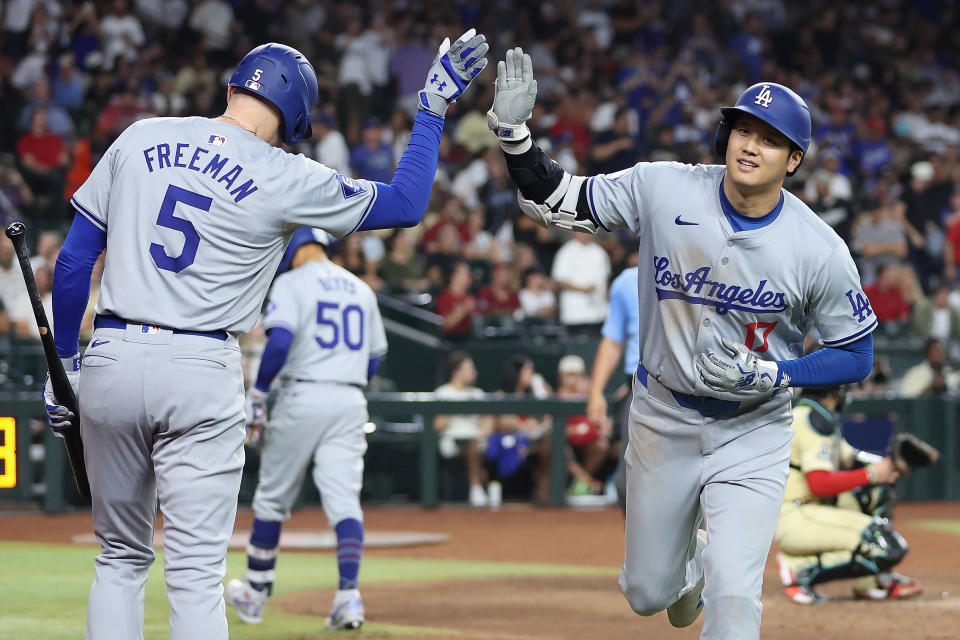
[831, 366]
[274, 355]
[403, 202]
[71, 282]
[372, 367]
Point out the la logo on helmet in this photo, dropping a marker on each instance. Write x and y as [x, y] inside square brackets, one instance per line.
[764, 98]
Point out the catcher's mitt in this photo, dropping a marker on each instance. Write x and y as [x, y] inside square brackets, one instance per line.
[909, 452]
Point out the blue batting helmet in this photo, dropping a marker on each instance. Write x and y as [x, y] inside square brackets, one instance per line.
[284, 77]
[774, 104]
[300, 237]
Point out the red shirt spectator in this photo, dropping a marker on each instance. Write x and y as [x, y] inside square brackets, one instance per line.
[452, 215]
[886, 298]
[39, 150]
[456, 305]
[499, 298]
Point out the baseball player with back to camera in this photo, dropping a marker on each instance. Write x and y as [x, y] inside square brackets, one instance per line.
[734, 272]
[195, 214]
[326, 339]
[837, 499]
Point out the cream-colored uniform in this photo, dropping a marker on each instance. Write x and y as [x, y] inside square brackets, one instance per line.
[810, 531]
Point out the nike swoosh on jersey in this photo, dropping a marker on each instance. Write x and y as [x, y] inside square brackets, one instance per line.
[684, 222]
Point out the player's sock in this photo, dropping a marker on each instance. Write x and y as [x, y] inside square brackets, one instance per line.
[262, 554]
[349, 551]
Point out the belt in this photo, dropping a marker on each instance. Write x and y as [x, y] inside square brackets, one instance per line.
[113, 322]
[704, 405]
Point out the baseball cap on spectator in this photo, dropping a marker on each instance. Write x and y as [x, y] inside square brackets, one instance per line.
[326, 119]
[571, 364]
[922, 171]
[370, 123]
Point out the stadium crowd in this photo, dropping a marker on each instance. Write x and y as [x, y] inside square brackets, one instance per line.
[620, 81]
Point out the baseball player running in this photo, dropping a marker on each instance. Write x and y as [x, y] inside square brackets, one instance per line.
[832, 507]
[195, 214]
[734, 273]
[325, 342]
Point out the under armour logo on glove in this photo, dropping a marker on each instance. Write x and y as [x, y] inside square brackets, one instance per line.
[452, 71]
[741, 370]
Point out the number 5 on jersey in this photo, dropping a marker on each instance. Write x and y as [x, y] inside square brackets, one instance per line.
[328, 317]
[191, 239]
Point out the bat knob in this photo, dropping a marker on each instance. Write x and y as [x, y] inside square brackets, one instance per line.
[15, 229]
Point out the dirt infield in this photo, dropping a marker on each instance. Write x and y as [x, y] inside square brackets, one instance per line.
[588, 606]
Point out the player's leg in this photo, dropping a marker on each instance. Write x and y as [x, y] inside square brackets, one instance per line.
[663, 462]
[117, 453]
[338, 474]
[745, 480]
[198, 458]
[288, 443]
[822, 543]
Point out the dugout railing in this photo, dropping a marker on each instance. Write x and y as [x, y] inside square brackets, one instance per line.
[38, 461]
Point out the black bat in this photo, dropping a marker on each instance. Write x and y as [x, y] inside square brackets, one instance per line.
[58, 378]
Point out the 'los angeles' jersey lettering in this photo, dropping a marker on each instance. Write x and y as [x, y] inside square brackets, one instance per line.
[696, 287]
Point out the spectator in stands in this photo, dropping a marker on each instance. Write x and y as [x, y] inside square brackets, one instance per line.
[933, 376]
[331, 148]
[213, 20]
[58, 121]
[48, 248]
[499, 299]
[401, 269]
[589, 441]
[521, 443]
[11, 280]
[16, 196]
[537, 299]
[466, 435]
[122, 34]
[373, 158]
[456, 305]
[935, 318]
[614, 149]
[830, 195]
[879, 240]
[21, 312]
[482, 244]
[887, 300]
[69, 85]
[43, 159]
[410, 61]
[581, 270]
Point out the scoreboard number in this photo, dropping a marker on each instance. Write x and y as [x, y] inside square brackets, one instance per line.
[8, 453]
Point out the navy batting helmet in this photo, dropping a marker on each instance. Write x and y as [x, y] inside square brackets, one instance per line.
[300, 237]
[776, 105]
[284, 77]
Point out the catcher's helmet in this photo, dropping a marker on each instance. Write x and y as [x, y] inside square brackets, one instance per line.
[284, 77]
[776, 105]
[300, 237]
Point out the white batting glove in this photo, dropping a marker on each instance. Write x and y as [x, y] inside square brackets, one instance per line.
[58, 416]
[516, 93]
[452, 71]
[742, 370]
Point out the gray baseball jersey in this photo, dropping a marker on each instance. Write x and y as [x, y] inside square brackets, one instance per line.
[197, 215]
[320, 410]
[335, 323]
[765, 287]
[700, 281]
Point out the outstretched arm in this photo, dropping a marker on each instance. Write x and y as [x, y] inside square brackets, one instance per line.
[548, 194]
[403, 202]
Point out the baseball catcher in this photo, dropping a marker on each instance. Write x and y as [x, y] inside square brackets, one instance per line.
[836, 519]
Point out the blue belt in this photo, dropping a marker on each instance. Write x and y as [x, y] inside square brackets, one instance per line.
[704, 405]
[113, 322]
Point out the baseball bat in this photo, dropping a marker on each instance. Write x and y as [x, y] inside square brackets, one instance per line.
[58, 378]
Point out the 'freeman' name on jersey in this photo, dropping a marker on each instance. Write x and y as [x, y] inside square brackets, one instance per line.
[196, 158]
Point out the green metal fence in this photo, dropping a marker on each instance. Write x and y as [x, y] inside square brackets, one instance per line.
[414, 455]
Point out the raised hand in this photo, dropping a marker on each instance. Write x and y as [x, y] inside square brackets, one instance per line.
[516, 93]
[452, 71]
